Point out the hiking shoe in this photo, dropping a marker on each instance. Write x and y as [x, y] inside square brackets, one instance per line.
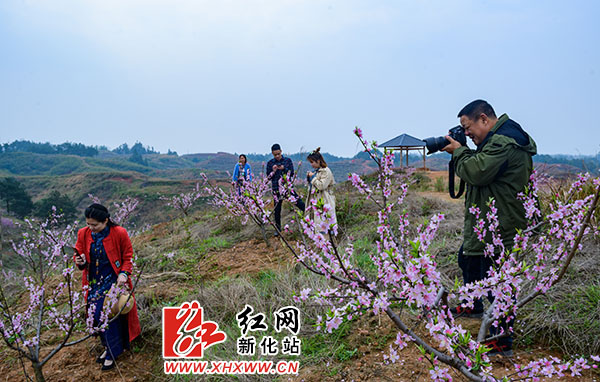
[498, 348]
[110, 366]
[459, 311]
[101, 358]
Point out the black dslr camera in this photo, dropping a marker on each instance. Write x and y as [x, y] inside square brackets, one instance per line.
[435, 144]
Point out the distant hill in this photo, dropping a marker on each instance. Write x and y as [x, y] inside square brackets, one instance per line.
[112, 187]
[24, 164]
[141, 172]
[158, 165]
[573, 163]
[23, 158]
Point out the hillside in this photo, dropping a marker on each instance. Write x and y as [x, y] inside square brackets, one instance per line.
[112, 176]
[158, 165]
[23, 158]
[225, 265]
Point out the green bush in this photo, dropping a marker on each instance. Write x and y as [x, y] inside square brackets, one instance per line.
[15, 197]
[440, 185]
[63, 204]
[421, 181]
[348, 212]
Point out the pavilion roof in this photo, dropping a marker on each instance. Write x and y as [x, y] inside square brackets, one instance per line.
[403, 140]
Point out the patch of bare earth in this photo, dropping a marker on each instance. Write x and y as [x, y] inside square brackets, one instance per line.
[248, 257]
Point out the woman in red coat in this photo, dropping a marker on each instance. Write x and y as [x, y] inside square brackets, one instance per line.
[104, 254]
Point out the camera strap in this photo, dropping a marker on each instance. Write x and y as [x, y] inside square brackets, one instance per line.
[461, 187]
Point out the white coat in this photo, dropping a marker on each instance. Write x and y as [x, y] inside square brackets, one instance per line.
[322, 184]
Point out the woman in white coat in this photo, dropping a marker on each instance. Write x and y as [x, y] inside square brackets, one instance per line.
[321, 180]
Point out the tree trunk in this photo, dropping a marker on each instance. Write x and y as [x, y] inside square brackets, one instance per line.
[264, 234]
[39, 376]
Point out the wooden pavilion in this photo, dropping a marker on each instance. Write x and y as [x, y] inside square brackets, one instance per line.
[406, 143]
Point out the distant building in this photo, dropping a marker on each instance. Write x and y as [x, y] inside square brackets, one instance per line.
[406, 143]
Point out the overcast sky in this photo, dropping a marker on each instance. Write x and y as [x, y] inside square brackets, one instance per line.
[237, 76]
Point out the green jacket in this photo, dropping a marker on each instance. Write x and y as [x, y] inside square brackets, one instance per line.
[500, 168]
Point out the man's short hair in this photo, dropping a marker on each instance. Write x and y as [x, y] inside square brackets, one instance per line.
[275, 147]
[475, 108]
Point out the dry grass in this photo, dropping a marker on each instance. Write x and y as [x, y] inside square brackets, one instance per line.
[568, 317]
[223, 299]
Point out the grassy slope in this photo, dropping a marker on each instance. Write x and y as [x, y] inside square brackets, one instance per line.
[199, 270]
[208, 247]
[112, 187]
[159, 165]
[206, 239]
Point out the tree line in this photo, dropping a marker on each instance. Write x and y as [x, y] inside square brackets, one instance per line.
[66, 148]
[70, 148]
[17, 201]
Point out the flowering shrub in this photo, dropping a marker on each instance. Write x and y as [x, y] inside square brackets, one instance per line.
[246, 200]
[7, 223]
[184, 201]
[122, 211]
[408, 279]
[249, 200]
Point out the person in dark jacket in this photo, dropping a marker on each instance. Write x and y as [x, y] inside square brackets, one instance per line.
[498, 168]
[276, 168]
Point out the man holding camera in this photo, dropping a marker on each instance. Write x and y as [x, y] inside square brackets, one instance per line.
[498, 168]
[276, 168]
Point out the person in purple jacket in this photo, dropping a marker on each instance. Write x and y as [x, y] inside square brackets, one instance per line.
[276, 168]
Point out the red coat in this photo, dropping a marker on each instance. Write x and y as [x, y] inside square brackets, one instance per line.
[119, 251]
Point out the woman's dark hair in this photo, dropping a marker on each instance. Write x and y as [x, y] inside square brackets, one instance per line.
[315, 156]
[100, 213]
[245, 158]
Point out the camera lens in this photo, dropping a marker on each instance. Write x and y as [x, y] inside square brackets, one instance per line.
[435, 144]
